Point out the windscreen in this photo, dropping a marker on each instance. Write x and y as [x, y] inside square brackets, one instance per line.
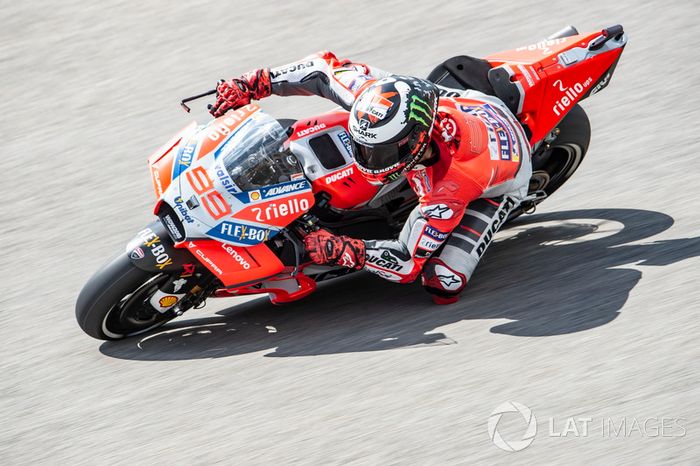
[254, 156]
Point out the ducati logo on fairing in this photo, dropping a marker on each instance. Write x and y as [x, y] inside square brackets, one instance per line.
[310, 130]
[137, 254]
[340, 175]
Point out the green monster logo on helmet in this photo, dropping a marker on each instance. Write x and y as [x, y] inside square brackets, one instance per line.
[419, 110]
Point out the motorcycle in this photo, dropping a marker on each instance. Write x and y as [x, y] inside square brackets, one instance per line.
[236, 196]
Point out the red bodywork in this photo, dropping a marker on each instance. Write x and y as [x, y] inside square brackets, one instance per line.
[345, 186]
[548, 90]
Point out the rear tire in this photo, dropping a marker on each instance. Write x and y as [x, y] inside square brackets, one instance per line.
[567, 151]
[553, 166]
[113, 304]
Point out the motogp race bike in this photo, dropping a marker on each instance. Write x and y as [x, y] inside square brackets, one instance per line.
[236, 196]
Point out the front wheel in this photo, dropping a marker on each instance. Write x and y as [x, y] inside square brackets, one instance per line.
[114, 303]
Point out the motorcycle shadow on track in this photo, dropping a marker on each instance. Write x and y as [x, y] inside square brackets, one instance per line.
[547, 274]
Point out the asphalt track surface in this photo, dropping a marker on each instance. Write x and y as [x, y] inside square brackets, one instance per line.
[587, 309]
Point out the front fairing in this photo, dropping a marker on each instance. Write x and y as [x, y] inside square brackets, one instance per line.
[203, 201]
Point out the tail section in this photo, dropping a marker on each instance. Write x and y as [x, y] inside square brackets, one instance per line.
[542, 82]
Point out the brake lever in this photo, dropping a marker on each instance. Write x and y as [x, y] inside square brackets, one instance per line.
[184, 101]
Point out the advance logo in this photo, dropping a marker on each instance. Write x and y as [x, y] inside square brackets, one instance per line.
[267, 192]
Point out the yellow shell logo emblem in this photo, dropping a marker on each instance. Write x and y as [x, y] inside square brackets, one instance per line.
[255, 195]
[167, 301]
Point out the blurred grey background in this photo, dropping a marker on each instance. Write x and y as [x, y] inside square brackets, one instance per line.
[586, 309]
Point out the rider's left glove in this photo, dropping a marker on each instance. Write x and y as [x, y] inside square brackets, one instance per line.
[326, 248]
[239, 91]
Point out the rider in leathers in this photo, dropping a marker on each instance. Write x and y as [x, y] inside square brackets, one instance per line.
[467, 158]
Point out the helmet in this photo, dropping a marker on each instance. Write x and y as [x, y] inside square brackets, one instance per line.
[390, 125]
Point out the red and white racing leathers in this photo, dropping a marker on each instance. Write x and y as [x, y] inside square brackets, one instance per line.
[482, 173]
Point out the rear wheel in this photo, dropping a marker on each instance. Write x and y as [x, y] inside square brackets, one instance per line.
[114, 303]
[564, 154]
[557, 160]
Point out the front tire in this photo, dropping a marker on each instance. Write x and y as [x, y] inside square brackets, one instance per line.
[113, 304]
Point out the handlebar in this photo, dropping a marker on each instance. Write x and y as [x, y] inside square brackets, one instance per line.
[184, 101]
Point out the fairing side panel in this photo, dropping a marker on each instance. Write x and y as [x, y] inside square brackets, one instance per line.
[161, 161]
[548, 78]
[323, 146]
[153, 250]
[235, 265]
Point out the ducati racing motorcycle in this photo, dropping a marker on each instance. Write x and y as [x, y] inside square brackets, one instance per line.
[236, 196]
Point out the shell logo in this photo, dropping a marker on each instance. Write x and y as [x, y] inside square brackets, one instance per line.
[254, 195]
[167, 301]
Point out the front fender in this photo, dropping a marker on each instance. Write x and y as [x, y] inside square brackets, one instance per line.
[153, 250]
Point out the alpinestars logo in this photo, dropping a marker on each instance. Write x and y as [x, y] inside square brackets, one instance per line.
[419, 110]
[448, 280]
[441, 211]
[347, 261]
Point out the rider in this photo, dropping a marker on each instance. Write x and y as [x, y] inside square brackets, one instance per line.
[466, 157]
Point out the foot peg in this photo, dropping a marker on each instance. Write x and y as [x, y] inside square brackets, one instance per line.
[529, 204]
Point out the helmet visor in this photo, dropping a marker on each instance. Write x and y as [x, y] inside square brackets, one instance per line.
[383, 156]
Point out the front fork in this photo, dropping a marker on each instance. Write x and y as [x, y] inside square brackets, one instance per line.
[171, 293]
[188, 283]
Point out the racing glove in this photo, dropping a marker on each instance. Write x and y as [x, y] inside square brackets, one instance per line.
[326, 248]
[239, 91]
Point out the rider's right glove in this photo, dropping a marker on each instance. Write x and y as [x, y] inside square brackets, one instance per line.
[326, 248]
[238, 92]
